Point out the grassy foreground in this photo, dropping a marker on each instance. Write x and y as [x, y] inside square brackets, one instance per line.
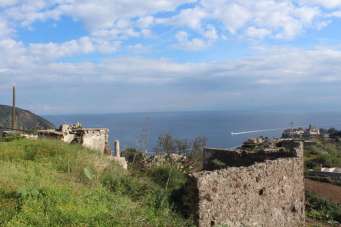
[48, 183]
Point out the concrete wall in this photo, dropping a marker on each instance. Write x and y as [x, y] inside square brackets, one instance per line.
[268, 193]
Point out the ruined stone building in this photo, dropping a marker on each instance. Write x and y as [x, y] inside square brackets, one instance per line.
[96, 139]
[249, 188]
[92, 138]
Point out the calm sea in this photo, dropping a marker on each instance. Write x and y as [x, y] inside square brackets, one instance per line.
[215, 126]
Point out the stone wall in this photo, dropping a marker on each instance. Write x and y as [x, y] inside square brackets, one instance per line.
[334, 178]
[95, 139]
[261, 193]
[92, 138]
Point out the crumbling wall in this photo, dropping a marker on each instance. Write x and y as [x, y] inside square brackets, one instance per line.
[68, 135]
[220, 158]
[95, 139]
[268, 193]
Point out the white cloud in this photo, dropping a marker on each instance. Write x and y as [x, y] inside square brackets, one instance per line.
[257, 33]
[335, 14]
[51, 51]
[146, 22]
[324, 3]
[5, 3]
[104, 13]
[95, 14]
[234, 16]
[274, 68]
[211, 33]
[36, 63]
[5, 30]
[115, 21]
[189, 18]
[138, 48]
[189, 44]
[282, 19]
[120, 24]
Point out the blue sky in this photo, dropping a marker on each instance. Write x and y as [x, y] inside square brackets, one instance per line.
[73, 56]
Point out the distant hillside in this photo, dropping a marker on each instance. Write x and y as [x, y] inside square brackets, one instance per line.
[25, 119]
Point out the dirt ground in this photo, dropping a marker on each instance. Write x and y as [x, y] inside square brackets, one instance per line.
[314, 223]
[327, 191]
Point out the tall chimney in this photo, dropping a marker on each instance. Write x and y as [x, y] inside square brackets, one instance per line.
[14, 122]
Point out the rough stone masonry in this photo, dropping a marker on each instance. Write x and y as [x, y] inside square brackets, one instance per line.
[262, 188]
[92, 138]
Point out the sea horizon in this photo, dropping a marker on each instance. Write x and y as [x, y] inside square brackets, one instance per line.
[216, 126]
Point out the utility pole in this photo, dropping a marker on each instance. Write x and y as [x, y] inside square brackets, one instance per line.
[14, 122]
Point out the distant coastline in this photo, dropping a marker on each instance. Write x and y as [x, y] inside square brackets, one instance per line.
[215, 125]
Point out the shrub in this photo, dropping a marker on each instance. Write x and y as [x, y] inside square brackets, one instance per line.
[11, 137]
[321, 209]
[136, 159]
[167, 177]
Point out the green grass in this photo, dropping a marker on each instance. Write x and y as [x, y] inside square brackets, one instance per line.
[48, 183]
[325, 153]
[321, 209]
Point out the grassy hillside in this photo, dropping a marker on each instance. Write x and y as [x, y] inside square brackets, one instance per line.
[322, 199]
[25, 119]
[325, 153]
[47, 183]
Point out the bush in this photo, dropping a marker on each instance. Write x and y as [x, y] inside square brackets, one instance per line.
[327, 154]
[321, 209]
[136, 159]
[10, 137]
[167, 177]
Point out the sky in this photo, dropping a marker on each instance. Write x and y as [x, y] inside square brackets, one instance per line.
[108, 56]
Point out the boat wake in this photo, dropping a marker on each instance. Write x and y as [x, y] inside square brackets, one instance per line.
[256, 131]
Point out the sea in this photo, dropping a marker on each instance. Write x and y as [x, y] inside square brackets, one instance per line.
[223, 129]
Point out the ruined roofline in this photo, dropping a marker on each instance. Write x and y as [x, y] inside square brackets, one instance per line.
[220, 149]
[238, 148]
[89, 129]
[214, 159]
[51, 131]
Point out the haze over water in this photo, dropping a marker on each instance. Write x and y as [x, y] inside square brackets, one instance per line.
[216, 126]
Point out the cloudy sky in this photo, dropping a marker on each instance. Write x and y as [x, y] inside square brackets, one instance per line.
[101, 56]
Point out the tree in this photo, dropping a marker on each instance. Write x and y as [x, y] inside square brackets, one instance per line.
[165, 144]
[197, 155]
[198, 145]
[182, 146]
